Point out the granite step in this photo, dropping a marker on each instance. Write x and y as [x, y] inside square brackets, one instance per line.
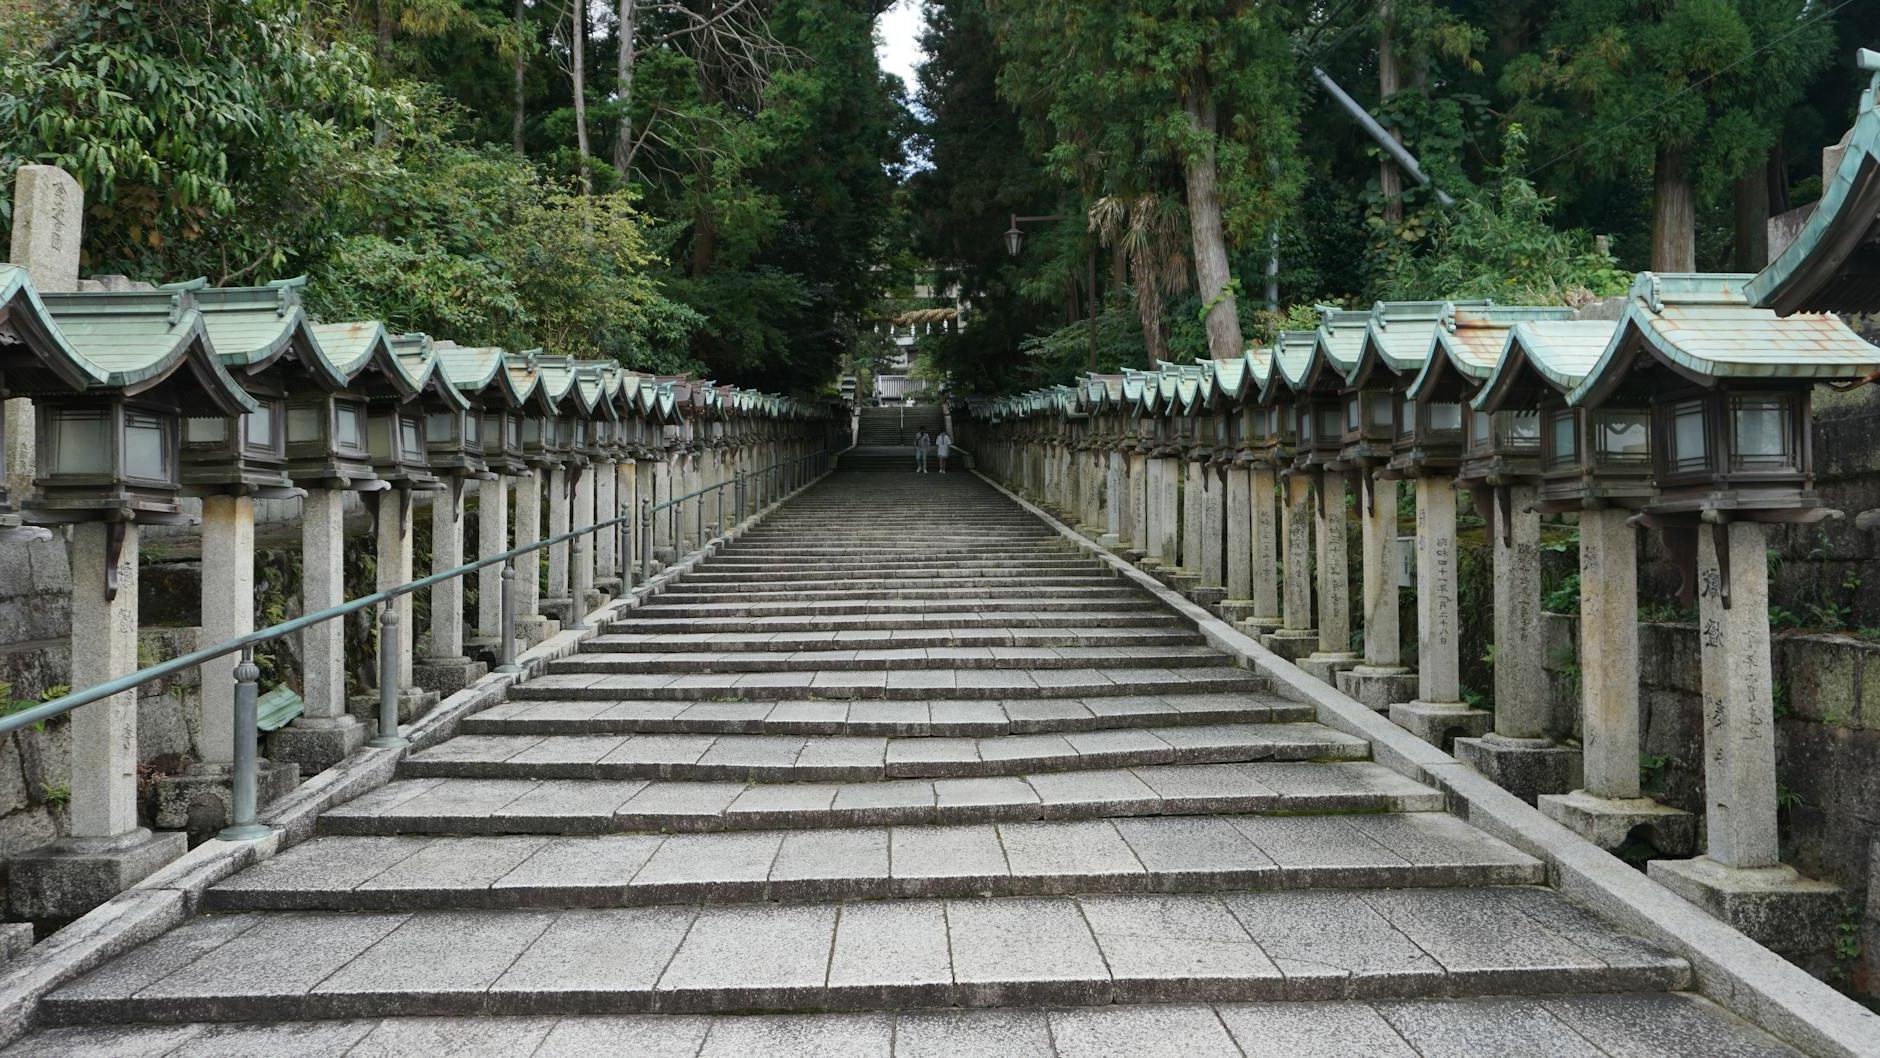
[1088, 950]
[904, 684]
[1163, 854]
[922, 587]
[1102, 587]
[878, 627]
[1060, 602]
[602, 806]
[988, 636]
[891, 659]
[1630, 1024]
[835, 758]
[945, 718]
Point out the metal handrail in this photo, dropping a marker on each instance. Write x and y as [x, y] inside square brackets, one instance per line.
[794, 473]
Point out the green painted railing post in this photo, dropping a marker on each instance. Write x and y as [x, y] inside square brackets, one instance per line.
[243, 780]
[506, 636]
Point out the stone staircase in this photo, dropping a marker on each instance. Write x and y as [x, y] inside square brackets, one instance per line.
[903, 762]
[897, 426]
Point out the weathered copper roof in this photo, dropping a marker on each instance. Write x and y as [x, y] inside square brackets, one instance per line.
[253, 328]
[1399, 334]
[1470, 341]
[1834, 263]
[35, 356]
[142, 339]
[416, 355]
[1703, 326]
[1554, 354]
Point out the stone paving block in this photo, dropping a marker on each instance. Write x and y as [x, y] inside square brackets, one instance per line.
[301, 1039]
[282, 958]
[782, 805]
[459, 867]
[822, 864]
[584, 806]
[906, 801]
[887, 717]
[593, 961]
[661, 802]
[466, 802]
[1446, 850]
[973, 1034]
[741, 755]
[1655, 1025]
[578, 871]
[1038, 714]
[476, 748]
[750, 958]
[435, 962]
[817, 717]
[320, 864]
[891, 953]
[1027, 752]
[1078, 794]
[1339, 785]
[1323, 852]
[719, 867]
[1334, 945]
[1119, 747]
[978, 800]
[456, 1037]
[1025, 951]
[794, 1036]
[836, 758]
[1166, 948]
[1192, 789]
[661, 749]
[105, 1041]
[643, 1036]
[926, 757]
[934, 860]
[1485, 944]
[565, 750]
[1509, 1026]
[1072, 856]
[1312, 1030]
[1141, 1032]
[1197, 852]
[142, 966]
[969, 717]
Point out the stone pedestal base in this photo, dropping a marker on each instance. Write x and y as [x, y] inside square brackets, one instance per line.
[608, 586]
[1775, 906]
[413, 702]
[1441, 724]
[1525, 767]
[532, 631]
[200, 801]
[1327, 666]
[316, 744]
[1608, 823]
[1207, 597]
[1378, 686]
[447, 676]
[1291, 643]
[61, 880]
[1109, 540]
[557, 608]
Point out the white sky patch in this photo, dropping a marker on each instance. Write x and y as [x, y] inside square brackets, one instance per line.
[897, 40]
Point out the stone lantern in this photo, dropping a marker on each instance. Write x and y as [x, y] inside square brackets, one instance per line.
[35, 361]
[1727, 387]
[1433, 449]
[110, 458]
[1322, 409]
[1287, 440]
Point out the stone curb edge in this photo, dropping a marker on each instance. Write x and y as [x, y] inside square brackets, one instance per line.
[1736, 972]
[172, 895]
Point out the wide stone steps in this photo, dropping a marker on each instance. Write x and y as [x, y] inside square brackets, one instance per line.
[1150, 854]
[897, 591]
[892, 659]
[925, 683]
[739, 573]
[660, 643]
[601, 806]
[1057, 601]
[825, 758]
[884, 628]
[1086, 950]
[946, 718]
[1635, 1024]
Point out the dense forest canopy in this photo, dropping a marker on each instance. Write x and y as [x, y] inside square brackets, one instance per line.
[710, 188]
[734, 187]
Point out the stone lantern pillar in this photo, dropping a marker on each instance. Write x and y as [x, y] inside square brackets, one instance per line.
[1334, 653]
[1296, 637]
[560, 504]
[492, 540]
[531, 626]
[606, 508]
[1115, 499]
[1438, 712]
[1381, 677]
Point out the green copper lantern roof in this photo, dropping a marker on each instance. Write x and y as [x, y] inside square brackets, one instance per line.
[416, 354]
[477, 372]
[1398, 336]
[1541, 355]
[35, 356]
[364, 346]
[1834, 265]
[1469, 342]
[253, 328]
[1230, 376]
[1703, 326]
[147, 340]
[1341, 336]
[1293, 352]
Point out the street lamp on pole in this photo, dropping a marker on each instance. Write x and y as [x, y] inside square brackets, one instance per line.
[1015, 242]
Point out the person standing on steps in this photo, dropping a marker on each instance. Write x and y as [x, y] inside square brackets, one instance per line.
[942, 445]
[922, 442]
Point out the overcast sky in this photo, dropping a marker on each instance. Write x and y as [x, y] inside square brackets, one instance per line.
[899, 39]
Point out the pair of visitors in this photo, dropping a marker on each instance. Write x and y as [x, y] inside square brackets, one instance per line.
[925, 442]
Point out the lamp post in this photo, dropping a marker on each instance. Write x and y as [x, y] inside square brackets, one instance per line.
[1015, 241]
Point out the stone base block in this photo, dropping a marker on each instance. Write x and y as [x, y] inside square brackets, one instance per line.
[1135, 556]
[1525, 767]
[1610, 823]
[59, 881]
[1109, 540]
[413, 702]
[1291, 643]
[1377, 686]
[1327, 666]
[16, 939]
[316, 744]
[608, 586]
[1775, 906]
[1441, 724]
[200, 801]
[447, 676]
[1209, 598]
[557, 608]
[533, 630]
